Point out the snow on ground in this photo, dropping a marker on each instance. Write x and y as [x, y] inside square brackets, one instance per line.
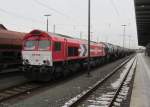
[116, 84]
[105, 99]
[96, 106]
[101, 101]
[125, 88]
[71, 101]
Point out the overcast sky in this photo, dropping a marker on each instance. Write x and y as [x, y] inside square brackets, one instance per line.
[70, 17]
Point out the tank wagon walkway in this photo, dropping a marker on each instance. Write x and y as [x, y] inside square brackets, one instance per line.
[141, 88]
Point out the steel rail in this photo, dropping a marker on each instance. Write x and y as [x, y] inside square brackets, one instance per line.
[24, 88]
[17, 90]
[79, 98]
[120, 86]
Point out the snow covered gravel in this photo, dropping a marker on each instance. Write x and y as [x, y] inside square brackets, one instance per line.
[104, 94]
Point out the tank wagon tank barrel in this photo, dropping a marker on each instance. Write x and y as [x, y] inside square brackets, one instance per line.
[10, 48]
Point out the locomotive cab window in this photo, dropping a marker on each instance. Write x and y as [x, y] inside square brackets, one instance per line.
[57, 46]
[44, 44]
[30, 44]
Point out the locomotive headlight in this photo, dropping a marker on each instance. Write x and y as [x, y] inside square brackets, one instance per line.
[25, 61]
[46, 62]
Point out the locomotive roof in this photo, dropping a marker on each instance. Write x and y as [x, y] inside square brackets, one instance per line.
[66, 36]
[62, 35]
[56, 36]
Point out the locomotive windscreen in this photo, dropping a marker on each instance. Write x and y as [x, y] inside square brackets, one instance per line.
[30, 44]
[39, 44]
[44, 44]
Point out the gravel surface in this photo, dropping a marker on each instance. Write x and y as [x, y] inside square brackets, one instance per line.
[9, 80]
[56, 95]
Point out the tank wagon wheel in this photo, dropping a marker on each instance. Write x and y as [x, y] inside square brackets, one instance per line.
[103, 60]
[107, 59]
[97, 62]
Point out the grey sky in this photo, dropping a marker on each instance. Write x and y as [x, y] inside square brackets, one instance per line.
[70, 17]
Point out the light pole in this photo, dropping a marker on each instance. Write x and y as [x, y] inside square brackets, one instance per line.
[47, 15]
[54, 28]
[89, 31]
[129, 41]
[80, 35]
[124, 31]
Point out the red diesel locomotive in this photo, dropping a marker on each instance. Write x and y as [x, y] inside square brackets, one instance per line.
[47, 55]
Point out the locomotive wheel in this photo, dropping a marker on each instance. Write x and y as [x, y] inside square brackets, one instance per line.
[66, 71]
[72, 68]
[58, 73]
[78, 66]
[30, 74]
[45, 75]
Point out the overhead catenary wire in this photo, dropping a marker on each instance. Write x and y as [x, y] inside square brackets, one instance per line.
[19, 16]
[53, 9]
[50, 8]
[115, 8]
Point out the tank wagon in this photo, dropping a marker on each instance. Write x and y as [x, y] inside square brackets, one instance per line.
[10, 49]
[48, 55]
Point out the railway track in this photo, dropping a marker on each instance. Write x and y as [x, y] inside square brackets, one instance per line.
[123, 83]
[27, 87]
[82, 98]
[17, 90]
[8, 74]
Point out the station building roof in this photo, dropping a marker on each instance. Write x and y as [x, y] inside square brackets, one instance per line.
[142, 10]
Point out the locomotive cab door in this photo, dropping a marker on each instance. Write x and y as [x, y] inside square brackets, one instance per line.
[65, 49]
[59, 50]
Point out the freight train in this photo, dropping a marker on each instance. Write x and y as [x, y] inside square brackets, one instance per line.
[50, 55]
[10, 48]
